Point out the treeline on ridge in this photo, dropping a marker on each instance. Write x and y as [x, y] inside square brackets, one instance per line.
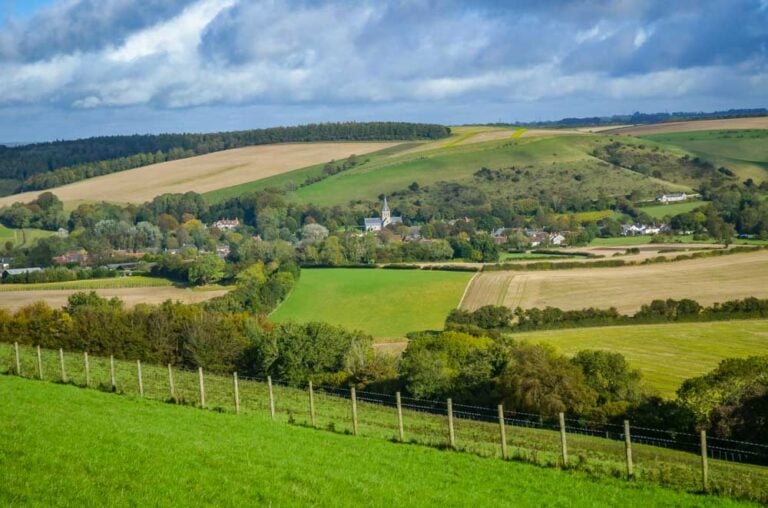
[45, 165]
[501, 319]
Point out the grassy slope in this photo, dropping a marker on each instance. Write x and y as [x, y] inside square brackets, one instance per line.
[552, 161]
[660, 211]
[93, 449]
[596, 455]
[384, 303]
[669, 353]
[745, 152]
[18, 237]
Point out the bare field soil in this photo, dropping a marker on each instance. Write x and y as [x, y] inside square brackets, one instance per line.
[201, 174]
[707, 281]
[760, 122]
[13, 300]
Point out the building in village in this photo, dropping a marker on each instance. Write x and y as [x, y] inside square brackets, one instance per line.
[226, 224]
[673, 197]
[379, 223]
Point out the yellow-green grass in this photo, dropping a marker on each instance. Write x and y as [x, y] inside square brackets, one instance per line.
[591, 216]
[743, 151]
[162, 464]
[667, 354]
[136, 281]
[518, 133]
[73, 447]
[383, 303]
[22, 237]
[621, 240]
[672, 209]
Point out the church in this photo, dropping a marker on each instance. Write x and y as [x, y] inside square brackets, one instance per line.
[377, 224]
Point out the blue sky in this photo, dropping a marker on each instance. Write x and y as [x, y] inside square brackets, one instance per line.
[74, 68]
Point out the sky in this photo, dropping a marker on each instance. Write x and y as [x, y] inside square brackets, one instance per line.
[78, 68]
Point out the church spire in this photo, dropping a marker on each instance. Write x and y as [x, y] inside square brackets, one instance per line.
[385, 213]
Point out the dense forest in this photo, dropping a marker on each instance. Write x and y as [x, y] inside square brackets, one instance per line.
[45, 165]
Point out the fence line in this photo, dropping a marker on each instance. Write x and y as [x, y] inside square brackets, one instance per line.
[563, 441]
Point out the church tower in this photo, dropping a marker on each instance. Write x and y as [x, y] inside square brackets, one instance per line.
[386, 215]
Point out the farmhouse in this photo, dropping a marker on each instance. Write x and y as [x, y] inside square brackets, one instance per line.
[377, 224]
[76, 257]
[226, 224]
[642, 229]
[672, 197]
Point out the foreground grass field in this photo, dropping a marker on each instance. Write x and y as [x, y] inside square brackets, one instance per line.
[384, 303]
[666, 354]
[72, 447]
[707, 280]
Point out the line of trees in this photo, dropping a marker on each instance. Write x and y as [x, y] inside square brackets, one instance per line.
[504, 319]
[45, 165]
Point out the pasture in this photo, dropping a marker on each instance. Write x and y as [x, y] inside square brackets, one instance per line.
[661, 211]
[707, 280]
[201, 174]
[383, 303]
[667, 354]
[136, 281]
[743, 151]
[13, 300]
[75, 447]
[22, 237]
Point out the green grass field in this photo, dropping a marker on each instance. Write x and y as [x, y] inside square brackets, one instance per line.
[744, 151]
[384, 303]
[71, 447]
[136, 281]
[667, 354]
[621, 240]
[661, 211]
[23, 237]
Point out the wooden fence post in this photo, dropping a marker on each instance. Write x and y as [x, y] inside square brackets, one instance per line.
[563, 443]
[271, 397]
[628, 448]
[401, 434]
[312, 404]
[451, 434]
[202, 386]
[63, 372]
[112, 377]
[354, 411]
[503, 429]
[704, 465]
[87, 369]
[18, 358]
[39, 363]
[237, 393]
[170, 383]
[141, 380]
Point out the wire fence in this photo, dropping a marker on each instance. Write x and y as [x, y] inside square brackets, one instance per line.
[666, 457]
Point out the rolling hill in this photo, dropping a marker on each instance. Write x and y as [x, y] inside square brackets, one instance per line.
[90, 448]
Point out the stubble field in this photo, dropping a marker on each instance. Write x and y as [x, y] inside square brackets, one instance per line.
[201, 174]
[707, 280]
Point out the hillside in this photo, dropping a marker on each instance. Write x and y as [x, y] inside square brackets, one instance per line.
[743, 151]
[89, 448]
[758, 122]
[553, 163]
[201, 174]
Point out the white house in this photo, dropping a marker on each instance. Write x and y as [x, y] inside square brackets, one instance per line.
[379, 223]
[672, 197]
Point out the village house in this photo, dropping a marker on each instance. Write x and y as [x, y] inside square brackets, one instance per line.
[73, 257]
[226, 224]
[379, 223]
[222, 250]
[672, 197]
[642, 229]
